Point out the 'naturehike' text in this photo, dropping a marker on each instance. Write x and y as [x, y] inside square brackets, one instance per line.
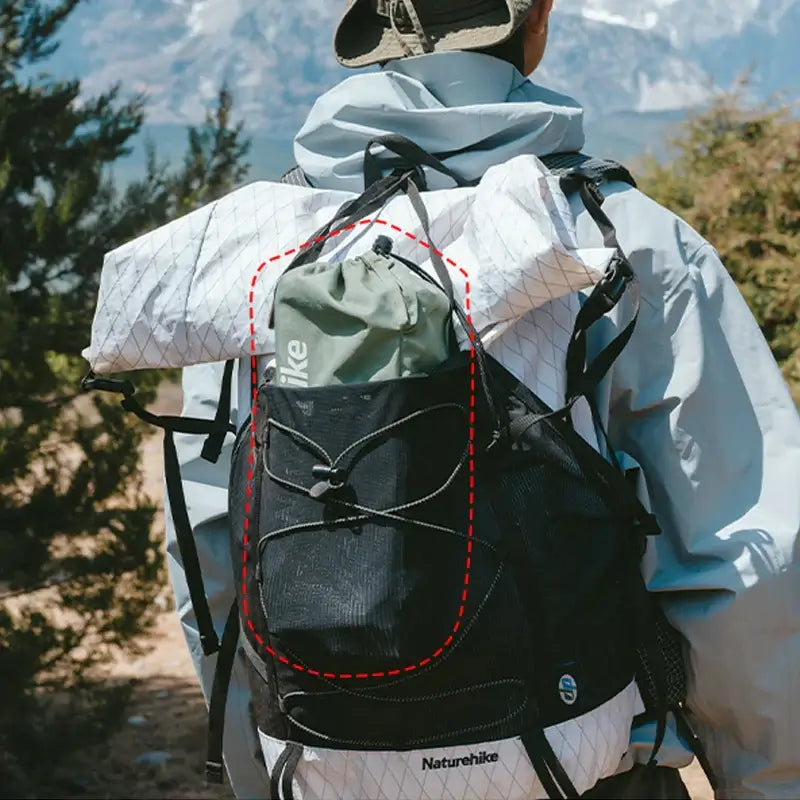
[464, 761]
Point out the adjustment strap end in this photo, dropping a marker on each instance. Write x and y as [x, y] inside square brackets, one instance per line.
[214, 773]
[90, 382]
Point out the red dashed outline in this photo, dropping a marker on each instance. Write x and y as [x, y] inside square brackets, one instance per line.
[389, 673]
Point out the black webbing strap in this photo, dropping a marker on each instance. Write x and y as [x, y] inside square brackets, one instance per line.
[583, 380]
[177, 500]
[219, 695]
[693, 740]
[213, 444]
[277, 771]
[280, 781]
[661, 729]
[548, 768]
[186, 546]
[412, 156]
[442, 273]
[539, 765]
[600, 170]
[350, 212]
[289, 770]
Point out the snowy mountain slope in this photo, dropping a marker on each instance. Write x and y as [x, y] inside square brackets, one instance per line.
[276, 56]
[630, 69]
[723, 37]
[612, 55]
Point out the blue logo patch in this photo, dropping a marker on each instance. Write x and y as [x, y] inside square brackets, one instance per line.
[567, 689]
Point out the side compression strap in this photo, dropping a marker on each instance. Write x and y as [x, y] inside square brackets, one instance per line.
[289, 770]
[581, 380]
[687, 731]
[219, 695]
[183, 529]
[280, 783]
[277, 771]
[186, 546]
[548, 768]
[213, 445]
[540, 768]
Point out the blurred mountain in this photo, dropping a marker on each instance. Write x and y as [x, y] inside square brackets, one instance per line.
[636, 65]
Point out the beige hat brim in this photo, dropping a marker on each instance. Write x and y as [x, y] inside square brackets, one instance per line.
[363, 39]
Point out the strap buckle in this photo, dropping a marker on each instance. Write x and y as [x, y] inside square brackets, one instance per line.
[614, 283]
[91, 382]
[593, 188]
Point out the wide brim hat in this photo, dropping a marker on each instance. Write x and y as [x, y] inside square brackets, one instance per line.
[374, 31]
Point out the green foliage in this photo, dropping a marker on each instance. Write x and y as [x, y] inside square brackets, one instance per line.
[213, 161]
[736, 179]
[76, 545]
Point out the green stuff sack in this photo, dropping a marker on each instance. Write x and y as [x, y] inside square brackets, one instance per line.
[368, 318]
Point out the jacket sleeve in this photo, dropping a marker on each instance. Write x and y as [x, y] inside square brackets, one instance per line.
[205, 486]
[698, 400]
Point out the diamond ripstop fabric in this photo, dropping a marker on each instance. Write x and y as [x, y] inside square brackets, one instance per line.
[179, 296]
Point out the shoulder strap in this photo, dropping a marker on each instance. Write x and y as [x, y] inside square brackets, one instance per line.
[599, 170]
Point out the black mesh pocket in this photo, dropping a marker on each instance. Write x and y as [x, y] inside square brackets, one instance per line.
[661, 661]
[364, 516]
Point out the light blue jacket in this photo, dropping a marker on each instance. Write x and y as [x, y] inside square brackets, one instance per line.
[696, 400]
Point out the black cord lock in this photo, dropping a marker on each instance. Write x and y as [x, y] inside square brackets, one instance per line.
[383, 246]
[331, 478]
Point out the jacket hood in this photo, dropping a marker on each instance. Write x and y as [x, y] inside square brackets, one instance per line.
[478, 108]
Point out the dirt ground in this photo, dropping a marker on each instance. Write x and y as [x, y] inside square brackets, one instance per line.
[167, 717]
